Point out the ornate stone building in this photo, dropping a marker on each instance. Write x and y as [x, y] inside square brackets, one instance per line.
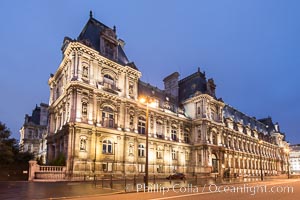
[34, 132]
[98, 123]
[295, 159]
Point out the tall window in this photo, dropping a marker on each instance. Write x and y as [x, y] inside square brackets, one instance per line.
[141, 150]
[107, 117]
[186, 136]
[159, 152]
[213, 115]
[174, 134]
[160, 169]
[85, 72]
[107, 167]
[215, 141]
[142, 125]
[141, 167]
[159, 129]
[174, 157]
[187, 155]
[84, 109]
[82, 143]
[107, 146]
[198, 110]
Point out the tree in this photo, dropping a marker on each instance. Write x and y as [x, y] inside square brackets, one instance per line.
[9, 151]
[8, 146]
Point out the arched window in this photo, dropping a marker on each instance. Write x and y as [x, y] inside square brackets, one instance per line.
[141, 150]
[214, 163]
[108, 117]
[107, 146]
[82, 143]
[142, 125]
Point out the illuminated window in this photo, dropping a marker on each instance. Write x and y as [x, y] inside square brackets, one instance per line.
[159, 129]
[107, 146]
[159, 153]
[141, 167]
[142, 125]
[174, 156]
[107, 117]
[174, 134]
[141, 150]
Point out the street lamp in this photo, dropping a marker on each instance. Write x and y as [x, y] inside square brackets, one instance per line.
[146, 100]
[261, 170]
[115, 166]
[287, 151]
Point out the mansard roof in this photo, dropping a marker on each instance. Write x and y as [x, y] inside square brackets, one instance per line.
[264, 126]
[36, 115]
[191, 85]
[90, 36]
[145, 89]
[269, 124]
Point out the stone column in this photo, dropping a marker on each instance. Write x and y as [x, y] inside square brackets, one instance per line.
[33, 167]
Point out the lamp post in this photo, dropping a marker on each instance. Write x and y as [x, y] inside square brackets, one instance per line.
[115, 165]
[260, 157]
[147, 101]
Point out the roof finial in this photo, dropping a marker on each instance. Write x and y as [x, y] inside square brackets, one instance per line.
[115, 29]
[91, 14]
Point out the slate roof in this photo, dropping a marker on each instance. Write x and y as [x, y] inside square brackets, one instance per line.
[192, 84]
[90, 36]
[35, 116]
[264, 126]
[145, 89]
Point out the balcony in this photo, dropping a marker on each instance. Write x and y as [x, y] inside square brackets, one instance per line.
[109, 87]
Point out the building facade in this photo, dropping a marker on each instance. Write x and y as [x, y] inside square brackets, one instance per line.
[98, 124]
[295, 159]
[34, 132]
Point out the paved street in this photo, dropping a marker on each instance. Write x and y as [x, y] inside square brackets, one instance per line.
[40, 190]
[162, 190]
[287, 189]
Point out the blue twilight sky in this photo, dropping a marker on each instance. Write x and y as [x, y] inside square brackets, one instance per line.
[250, 47]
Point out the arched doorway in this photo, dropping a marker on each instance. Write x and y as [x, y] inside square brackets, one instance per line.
[214, 161]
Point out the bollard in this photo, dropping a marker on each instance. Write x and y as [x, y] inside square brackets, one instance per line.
[95, 181]
[111, 183]
[125, 182]
[134, 180]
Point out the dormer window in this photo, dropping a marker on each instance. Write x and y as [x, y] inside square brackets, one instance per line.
[109, 49]
[109, 43]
